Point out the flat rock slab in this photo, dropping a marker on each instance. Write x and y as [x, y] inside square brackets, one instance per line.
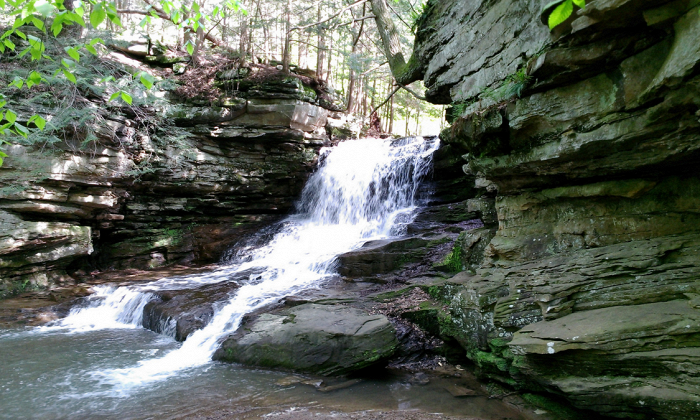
[615, 328]
[322, 339]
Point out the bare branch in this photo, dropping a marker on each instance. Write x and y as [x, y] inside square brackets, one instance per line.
[385, 100]
[374, 68]
[407, 89]
[356, 20]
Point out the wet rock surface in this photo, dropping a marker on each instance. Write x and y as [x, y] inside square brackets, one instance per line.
[179, 313]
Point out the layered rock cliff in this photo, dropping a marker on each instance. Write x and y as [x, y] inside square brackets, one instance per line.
[138, 197]
[588, 138]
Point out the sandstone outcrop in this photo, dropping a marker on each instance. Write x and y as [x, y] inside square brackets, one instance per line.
[140, 198]
[588, 139]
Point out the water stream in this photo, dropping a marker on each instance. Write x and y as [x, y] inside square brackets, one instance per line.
[98, 361]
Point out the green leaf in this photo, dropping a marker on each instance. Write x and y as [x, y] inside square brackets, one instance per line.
[126, 98]
[95, 41]
[21, 130]
[189, 47]
[91, 49]
[10, 116]
[38, 23]
[145, 21]
[2, 4]
[34, 78]
[9, 44]
[74, 17]
[97, 16]
[36, 53]
[40, 122]
[73, 53]
[146, 79]
[114, 19]
[114, 96]
[57, 26]
[560, 14]
[580, 3]
[67, 63]
[26, 12]
[70, 76]
[18, 82]
[20, 34]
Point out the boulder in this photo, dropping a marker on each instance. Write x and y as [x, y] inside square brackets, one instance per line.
[178, 313]
[321, 339]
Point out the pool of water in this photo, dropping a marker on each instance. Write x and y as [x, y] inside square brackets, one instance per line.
[59, 375]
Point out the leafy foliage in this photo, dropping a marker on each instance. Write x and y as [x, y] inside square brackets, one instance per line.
[562, 12]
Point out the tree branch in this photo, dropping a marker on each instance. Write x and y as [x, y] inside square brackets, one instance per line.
[407, 89]
[161, 14]
[355, 20]
[343, 10]
[385, 100]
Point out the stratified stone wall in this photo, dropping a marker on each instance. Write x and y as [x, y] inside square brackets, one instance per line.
[590, 286]
[134, 202]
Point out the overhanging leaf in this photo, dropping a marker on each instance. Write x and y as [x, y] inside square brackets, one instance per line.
[560, 14]
[97, 16]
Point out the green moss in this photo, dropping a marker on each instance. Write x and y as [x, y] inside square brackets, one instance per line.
[560, 409]
[17, 288]
[383, 297]
[488, 360]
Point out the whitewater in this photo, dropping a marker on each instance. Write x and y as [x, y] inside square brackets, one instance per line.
[362, 190]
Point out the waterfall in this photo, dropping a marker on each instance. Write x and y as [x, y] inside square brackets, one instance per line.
[363, 190]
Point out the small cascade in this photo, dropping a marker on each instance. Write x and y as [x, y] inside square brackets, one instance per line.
[363, 190]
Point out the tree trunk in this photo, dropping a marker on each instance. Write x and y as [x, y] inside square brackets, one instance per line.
[287, 54]
[391, 116]
[244, 39]
[404, 73]
[321, 46]
[355, 49]
[198, 45]
[330, 58]
[418, 120]
[266, 37]
[408, 118]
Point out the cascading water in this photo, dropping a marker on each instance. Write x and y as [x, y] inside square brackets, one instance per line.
[363, 190]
